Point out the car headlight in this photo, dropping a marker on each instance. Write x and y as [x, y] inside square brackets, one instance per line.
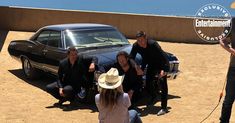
[13, 43]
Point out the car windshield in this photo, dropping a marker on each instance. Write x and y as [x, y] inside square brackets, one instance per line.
[94, 38]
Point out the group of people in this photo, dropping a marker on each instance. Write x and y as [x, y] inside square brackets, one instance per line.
[121, 86]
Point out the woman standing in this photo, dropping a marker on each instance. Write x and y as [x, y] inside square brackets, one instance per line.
[112, 102]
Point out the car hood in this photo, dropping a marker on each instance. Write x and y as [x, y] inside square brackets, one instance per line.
[107, 56]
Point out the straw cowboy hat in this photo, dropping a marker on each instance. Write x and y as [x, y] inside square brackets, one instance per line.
[110, 80]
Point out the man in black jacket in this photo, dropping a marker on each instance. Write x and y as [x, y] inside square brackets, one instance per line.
[157, 65]
[72, 75]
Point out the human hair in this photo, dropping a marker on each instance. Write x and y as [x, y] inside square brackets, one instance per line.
[72, 48]
[124, 53]
[109, 97]
[141, 34]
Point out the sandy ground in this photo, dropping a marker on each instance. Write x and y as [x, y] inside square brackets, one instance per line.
[192, 96]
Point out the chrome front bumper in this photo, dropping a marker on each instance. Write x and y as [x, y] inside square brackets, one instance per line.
[173, 75]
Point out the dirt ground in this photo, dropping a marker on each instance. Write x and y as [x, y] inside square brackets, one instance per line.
[192, 96]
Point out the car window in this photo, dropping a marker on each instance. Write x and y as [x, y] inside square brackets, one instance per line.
[96, 37]
[43, 37]
[109, 36]
[54, 39]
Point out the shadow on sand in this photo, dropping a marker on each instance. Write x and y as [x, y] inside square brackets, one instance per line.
[47, 79]
[145, 109]
[89, 103]
[3, 35]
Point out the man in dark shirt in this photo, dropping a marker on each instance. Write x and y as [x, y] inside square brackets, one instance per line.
[72, 76]
[157, 66]
[132, 83]
[229, 45]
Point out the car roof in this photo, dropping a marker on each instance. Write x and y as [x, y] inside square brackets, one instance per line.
[61, 27]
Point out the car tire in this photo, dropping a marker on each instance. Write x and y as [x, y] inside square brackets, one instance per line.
[28, 70]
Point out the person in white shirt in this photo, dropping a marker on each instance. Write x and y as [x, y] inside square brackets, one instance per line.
[112, 102]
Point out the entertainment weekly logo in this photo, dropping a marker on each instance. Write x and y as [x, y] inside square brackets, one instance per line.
[212, 23]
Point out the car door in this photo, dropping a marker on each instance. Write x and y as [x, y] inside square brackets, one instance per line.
[36, 55]
[54, 52]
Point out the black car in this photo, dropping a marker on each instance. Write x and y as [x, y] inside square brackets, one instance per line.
[49, 45]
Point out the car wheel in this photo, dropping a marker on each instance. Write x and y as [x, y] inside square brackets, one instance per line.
[29, 71]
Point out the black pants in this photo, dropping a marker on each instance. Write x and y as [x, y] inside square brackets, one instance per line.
[68, 91]
[152, 86]
[135, 97]
[229, 97]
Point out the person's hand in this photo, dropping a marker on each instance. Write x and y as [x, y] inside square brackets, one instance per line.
[225, 43]
[92, 67]
[139, 71]
[232, 51]
[61, 92]
[130, 94]
[162, 73]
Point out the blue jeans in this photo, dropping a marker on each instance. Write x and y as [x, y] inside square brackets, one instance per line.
[229, 97]
[134, 117]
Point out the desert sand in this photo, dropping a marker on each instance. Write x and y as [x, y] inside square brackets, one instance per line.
[192, 96]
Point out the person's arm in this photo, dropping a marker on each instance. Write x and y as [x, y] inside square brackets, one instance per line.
[86, 68]
[133, 51]
[94, 62]
[92, 67]
[127, 101]
[133, 54]
[164, 62]
[225, 43]
[91, 60]
[61, 76]
[135, 81]
[97, 101]
[61, 79]
[130, 93]
[143, 65]
[136, 66]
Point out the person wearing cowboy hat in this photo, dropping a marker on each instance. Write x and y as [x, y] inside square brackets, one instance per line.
[112, 102]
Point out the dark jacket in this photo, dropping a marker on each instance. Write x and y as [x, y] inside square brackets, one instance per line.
[131, 81]
[75, 75]
[152, 55]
